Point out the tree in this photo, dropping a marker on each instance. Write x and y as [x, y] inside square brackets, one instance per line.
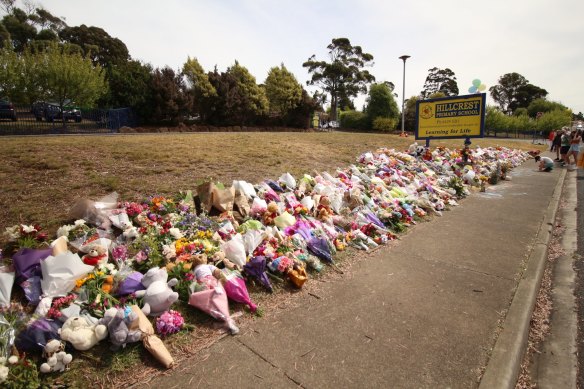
[129, 86]
[343, 77]
[553, 120]
[10, 74]
[381, 103]
[20, 29]
[198, 85]
[543, 105]
[300, 115]
[69, 77]
[102, 48]
[170, 101]
[4, 37]
[283, 91]
[514, 91]
[242, 98]
[410, 113]
[440, 80]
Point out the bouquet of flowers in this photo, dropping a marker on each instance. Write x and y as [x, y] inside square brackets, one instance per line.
[26, 236]
[170, 322]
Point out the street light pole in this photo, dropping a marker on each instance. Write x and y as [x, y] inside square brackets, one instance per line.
[403, 133]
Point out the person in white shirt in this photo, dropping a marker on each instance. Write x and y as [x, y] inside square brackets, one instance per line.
[545, 164]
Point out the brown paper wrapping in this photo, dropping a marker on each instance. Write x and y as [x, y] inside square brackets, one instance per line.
[222, 199]
[242, 204]
[60, 246]
[204, 192]
[152, 342]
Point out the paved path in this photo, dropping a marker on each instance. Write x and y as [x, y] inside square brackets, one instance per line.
[424, 313]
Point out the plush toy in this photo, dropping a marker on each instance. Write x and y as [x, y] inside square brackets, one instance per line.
[81, 334]
[118, 321]
[270, 214]
[427, 156]
[219, 257]
[297, 274]
[324, 209]
[129, 232]
[57, 358]
[158, 296]
[96, 256]
[203, 270]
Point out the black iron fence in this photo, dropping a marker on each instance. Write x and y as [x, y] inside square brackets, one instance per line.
[85, 121]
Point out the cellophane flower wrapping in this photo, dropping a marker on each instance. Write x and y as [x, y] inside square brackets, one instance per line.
[251, 240]
[27, 262]
[7, 275]
[35, 336]
[234, 250]
[237, 290]
[212, 301]
[61, 272]
[320, 248]
[256, 269]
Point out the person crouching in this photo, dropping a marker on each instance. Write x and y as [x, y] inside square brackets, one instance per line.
[545, 164]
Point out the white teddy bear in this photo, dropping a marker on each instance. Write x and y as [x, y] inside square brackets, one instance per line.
[57, 358]
[158, 296]
[81, 334]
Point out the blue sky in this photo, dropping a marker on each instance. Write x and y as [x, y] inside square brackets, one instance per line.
[539, 39]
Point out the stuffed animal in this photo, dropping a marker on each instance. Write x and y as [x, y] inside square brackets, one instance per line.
[324, 209]
[219, 257]
[57, 358]
[81, 334]
[158, 296]
[203, 270]
[118, 321]
[129, 232]
[270, 214]
[96, 256]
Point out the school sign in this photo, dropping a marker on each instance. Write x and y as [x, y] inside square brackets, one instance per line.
[451, 117]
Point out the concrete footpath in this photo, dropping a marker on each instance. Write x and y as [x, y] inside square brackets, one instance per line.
[446, 306]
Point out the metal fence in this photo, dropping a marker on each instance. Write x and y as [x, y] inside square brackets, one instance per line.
[92, 121]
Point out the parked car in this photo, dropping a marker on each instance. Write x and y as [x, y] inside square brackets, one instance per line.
[51, 111]
[7, 110]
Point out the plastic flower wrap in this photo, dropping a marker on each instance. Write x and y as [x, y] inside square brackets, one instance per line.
[7, 275]
[61, 270]
[76, 233]
[170, 322]
[12, 320]
[237, 290]
[256, 269]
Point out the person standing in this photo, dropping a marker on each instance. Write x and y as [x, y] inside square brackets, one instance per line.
[565, 146]
[574, 149]
[551, 138]
[556, 143]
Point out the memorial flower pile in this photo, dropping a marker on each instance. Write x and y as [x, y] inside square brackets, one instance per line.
[208, 247]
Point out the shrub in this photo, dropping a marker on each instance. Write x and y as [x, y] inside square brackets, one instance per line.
[354, 119]
[384, 124]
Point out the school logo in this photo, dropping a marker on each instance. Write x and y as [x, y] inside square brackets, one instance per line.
[426, 111]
